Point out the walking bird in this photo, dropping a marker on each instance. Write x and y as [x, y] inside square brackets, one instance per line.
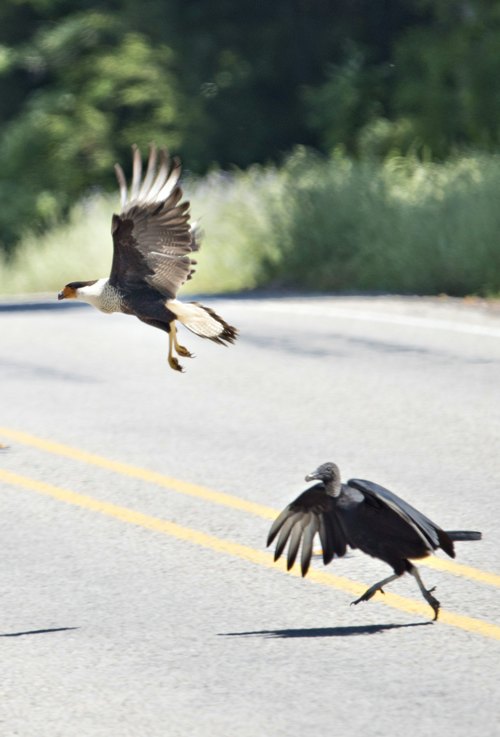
[364, 515]
[152, 246]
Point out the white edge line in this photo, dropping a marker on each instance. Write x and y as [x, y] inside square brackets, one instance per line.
[377, 317]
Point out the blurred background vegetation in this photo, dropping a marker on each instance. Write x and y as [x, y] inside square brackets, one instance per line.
[327, 144]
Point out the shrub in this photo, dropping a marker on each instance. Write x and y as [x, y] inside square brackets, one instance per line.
[401, 226]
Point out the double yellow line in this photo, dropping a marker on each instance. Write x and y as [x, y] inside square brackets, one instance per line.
[214, 543]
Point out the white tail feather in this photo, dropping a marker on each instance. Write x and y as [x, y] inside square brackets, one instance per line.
[195, 318]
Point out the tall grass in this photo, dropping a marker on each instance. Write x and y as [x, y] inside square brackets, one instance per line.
[399, 226]
[79, 249]
[230, 209]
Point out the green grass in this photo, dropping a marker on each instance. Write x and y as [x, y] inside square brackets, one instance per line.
[227, 208]
[77, 250]
[400, 226]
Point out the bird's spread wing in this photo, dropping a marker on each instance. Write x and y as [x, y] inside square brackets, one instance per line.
[432, 535]
[312, 512]
[152, 237]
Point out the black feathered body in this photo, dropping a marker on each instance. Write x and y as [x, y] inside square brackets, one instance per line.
[149, 306]
[360, 515]
[381, 532]
[153, 244]
[131, 273]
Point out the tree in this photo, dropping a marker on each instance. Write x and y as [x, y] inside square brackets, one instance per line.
[101, 87]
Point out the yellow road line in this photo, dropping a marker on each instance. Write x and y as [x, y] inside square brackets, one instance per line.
[458, 569]
[210, 495]
[152, 477]
[243, 552]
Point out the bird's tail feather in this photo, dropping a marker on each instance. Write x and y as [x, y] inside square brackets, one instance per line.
[203, 321]
[459, 535]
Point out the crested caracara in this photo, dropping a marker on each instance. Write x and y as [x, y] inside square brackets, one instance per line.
[360, 514]
[152, 245]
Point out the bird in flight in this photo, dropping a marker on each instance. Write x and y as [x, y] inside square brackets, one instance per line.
[152, 246]
[360, 514]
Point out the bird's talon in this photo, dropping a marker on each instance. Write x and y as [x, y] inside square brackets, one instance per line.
[361, 598]
[435, 607]
[175, 365]
[182, 351]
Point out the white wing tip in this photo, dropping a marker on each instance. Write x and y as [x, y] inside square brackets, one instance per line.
[162, 176]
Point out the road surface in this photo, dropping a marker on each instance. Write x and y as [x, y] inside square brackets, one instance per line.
[138, 598]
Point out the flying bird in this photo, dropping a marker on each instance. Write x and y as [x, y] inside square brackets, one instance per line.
[364, 515]
[152, 246]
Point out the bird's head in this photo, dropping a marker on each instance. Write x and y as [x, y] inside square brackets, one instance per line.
[329, 474]
[72, 290]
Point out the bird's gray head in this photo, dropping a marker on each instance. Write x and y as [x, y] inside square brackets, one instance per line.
[328, 473]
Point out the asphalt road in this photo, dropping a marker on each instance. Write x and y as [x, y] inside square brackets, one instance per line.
[137, 596]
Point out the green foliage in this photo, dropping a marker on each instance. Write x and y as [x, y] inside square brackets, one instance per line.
[448, 77]
[399, 226]
[232, 84]
[234, 211]
[345, 102]
[107, 89]
[80, 246]
[332, 224]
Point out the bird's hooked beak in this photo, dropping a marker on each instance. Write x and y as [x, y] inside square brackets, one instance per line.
[312, 476]
[67, 293]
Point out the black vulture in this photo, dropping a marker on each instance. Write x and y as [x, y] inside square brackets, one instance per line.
[364, 515]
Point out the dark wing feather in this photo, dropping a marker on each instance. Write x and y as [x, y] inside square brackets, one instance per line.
[294, 544]
[431, 534]
[310, 530]
[152, 237]
[312, 512]
[285, 534]
[326, 541]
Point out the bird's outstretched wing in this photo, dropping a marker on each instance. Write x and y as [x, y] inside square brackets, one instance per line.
[152, 237]
[432, 535]
[312, 512]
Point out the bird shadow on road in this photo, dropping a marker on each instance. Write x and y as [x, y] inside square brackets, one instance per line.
[37, 632]
[363, 629]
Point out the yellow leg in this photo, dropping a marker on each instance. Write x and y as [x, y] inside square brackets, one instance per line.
[172, 341]
[180, 348]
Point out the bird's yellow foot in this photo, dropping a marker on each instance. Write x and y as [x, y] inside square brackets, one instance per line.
[182, 351]
[174, 364]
